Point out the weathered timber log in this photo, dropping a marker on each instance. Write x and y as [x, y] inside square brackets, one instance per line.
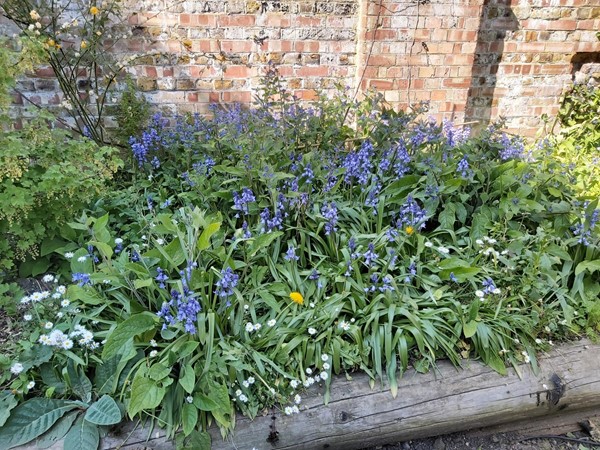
[443, 401]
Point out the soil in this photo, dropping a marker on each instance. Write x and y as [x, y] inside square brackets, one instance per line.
[504, 441]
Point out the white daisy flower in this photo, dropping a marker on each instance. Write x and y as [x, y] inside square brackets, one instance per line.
[312, 331]
[16, 368]
[69, 255]
[31, 385]
[48, 278]
[271, 322]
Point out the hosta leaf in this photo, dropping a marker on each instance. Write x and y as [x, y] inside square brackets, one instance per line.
[125, 331]
[31, 419]
[104, 412]
[83, 435]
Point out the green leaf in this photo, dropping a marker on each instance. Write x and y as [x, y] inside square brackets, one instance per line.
[145, 394]
[83, 435]
[125, 331]
[204, 239]
[7, 403]
[189, 417]
[159, 371]
[198, 440]
[188, 378]
[103, 248]
[104, 412]
[138, 284]
[31, 419]
[57, 432]
[87, 296]
[470, 328]
[80, 384]
[204, 403]
[590, 266]
[264, 240]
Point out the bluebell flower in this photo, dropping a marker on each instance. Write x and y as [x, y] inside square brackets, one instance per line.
[314, 275]
[412, 272]
[411, 214]
[161, 278]
[370, 255]
[372, 199]
[359, 165]
[453, 277]
[330, 213]
[166, 204]
[386, 284]
[241, 201]
[247, 233]
[82, 279]
[454, 135]
[90, 249]
[402, 159]
[135, 256]
[155, 163]
[488, 286]
[512, 148]
[291, 254]
[225, 286]
[463, 167]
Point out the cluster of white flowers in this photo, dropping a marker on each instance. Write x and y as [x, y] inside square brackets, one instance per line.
[241, 396]
[57, 338]
[344, 325]
[16, 368]
[443, 250]
[289, 410]
[247, 383]
[153, 353]
[69, 255]
[35, 297]
[250, 327]
[489, 249]
[271, 322]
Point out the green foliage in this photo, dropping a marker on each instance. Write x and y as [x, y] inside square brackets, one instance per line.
[46, 177]
[133, 112]
[265, 250]
[578, 144]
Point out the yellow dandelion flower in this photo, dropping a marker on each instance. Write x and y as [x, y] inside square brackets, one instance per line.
[409, 230]
[297, 297]
[94, 10]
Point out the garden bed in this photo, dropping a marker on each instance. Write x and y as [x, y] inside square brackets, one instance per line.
[442, 401]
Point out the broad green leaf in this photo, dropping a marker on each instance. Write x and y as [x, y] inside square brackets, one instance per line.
[104, 412]
[470, 328]
[49, 245]
[83, 435]
[7, 403]
[57, 432]
[146, 282]
[204, 403]
[79, 382]
[125, 331]
[188, 378]
[145, 394]
[189, 418]
[198, 440]
[87, 296]
[104, 249]
[204, 239]
[31, 419]
[590, 266]
[159, 371]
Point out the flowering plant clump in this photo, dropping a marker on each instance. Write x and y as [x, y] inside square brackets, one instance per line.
[263, 251]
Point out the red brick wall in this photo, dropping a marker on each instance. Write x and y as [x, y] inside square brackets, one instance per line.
[473, 60]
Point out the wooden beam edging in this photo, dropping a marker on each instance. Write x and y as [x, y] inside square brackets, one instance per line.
[443, 401]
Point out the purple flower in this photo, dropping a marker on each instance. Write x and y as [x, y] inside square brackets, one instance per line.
[370, 255]
[463, 167]
[241, 201]
[488, 286]
[161, 278]
[358, 165]
[512, 148]
[291, 254]
[412, 272]
[82, 279]
[330, 213]
[314, 275]
[454, 136]
[229, 280]
[411, 214]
